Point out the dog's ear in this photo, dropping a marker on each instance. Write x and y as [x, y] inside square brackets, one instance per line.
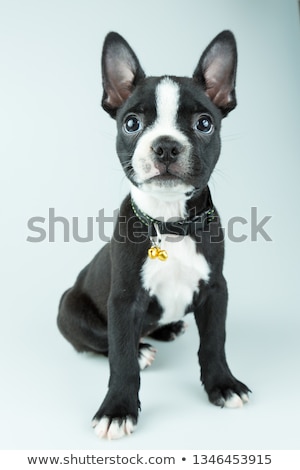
[121, 71]
[216, 71]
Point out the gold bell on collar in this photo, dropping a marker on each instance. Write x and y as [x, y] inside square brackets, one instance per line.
[162, 255]
[155, 252]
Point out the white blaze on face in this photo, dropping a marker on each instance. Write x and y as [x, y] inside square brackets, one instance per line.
[167, 103]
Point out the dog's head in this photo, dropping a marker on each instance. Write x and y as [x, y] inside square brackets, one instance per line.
[169, 127]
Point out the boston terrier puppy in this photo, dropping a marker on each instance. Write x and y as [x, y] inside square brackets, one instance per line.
[165, 258]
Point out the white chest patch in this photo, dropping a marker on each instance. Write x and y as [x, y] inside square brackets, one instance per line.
[175, 281]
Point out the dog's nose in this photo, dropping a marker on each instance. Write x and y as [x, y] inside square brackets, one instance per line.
[167, 149]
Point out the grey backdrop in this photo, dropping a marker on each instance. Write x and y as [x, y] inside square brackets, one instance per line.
[57, 151]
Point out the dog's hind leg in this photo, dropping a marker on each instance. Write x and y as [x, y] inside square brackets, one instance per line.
[81, 323]
[170, 331]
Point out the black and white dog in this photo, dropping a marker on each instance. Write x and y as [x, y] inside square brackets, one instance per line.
[166, 256]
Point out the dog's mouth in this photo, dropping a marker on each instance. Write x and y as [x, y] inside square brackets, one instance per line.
[167, 185]
[165, 179]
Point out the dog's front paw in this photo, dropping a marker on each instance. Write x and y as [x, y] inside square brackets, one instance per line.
[114, 428]
[118, 414]
[229, 395]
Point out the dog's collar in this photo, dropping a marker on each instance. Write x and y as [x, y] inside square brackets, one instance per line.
[182, 227]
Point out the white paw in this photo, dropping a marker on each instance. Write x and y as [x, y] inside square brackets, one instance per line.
[179, 332]
[183, 329]
[236, 401]
[146, 355]
[113, 429]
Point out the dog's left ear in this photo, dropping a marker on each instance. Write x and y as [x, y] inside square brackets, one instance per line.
[121, 71]
[216, 71]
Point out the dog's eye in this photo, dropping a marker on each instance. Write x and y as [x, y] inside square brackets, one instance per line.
[132, 124]
[204, 124]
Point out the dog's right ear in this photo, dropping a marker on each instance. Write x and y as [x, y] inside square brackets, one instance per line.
[121, 71]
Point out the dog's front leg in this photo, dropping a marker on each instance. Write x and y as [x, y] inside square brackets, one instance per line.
[118, 413]
[222, 387]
